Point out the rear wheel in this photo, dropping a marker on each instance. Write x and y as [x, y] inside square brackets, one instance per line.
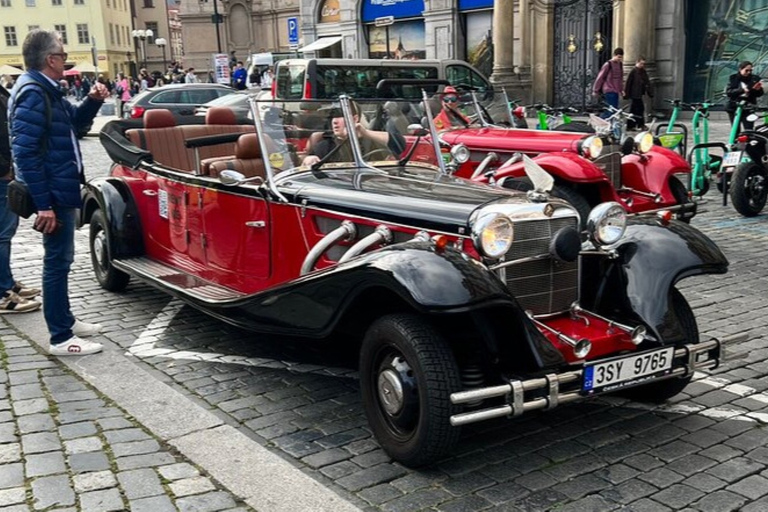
[407, 374]
[663, 390]
[108, 276]
[749, 188]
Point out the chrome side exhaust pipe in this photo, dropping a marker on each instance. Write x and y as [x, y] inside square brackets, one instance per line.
[638, 334]
[580, 347]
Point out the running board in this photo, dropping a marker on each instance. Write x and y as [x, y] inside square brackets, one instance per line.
[171, 278]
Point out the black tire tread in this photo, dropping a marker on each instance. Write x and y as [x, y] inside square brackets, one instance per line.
[577, 200]
[680, 193]
[738, 185]
[442, 379]
[661, 391]
[112, 280]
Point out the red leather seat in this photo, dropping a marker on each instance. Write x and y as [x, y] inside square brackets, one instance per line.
[248, 159]
[220, 115]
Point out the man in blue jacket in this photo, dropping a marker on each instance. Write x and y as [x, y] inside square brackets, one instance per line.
[47, 159]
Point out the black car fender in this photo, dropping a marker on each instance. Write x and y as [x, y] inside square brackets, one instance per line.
[113, 197]
[650, 259]
[444, 285]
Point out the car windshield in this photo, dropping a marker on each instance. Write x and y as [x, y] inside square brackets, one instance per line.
[312, 134]
[476, 111]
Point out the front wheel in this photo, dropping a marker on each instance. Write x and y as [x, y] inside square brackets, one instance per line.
[663, 390]
[749, 188]
[407, 374]
[578, 201]
[108, 276]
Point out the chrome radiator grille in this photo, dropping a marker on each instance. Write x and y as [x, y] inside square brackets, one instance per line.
[610, 164]
[544, 286]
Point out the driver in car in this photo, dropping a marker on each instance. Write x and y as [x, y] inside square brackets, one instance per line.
[386, 143]
[449, 115]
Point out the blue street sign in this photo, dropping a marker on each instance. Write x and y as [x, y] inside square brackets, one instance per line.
[293, 31]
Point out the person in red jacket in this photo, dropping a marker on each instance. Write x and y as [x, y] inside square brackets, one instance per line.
[449, 115]
[610, 80]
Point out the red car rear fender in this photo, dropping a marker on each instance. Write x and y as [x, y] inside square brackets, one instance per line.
[653, 171]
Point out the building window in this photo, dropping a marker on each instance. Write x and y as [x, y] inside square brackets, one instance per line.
[55, 3]
[61, 29]
[111, 34]
[10, 36]
[117, 34]
[79, 2]
[82, 33]
[148, 4]
[30, 3]
[5, 3]
[33, 27]
[152, 25]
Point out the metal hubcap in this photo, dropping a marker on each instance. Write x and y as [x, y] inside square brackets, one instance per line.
[390, 391]
[100, 248]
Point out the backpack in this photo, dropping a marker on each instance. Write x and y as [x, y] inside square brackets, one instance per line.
[5, 141]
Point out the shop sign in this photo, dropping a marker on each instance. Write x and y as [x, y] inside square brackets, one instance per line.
[384, 21]
[398, 9]
[330, 12]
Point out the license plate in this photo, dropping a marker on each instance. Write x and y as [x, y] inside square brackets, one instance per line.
[732, 159]
[625, 371]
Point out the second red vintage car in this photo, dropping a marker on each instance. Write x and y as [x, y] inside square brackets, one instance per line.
[588, 168]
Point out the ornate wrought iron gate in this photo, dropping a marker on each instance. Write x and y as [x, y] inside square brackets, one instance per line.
[583, 30]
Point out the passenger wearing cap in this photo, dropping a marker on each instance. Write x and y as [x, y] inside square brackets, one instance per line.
[449, 115]
[377, 145]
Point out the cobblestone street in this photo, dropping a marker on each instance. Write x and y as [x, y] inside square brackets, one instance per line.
[65, 444]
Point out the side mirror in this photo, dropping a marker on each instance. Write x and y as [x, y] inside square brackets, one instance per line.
[231, 178]
[417, 130]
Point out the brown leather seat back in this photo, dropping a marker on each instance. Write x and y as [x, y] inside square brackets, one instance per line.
[248, 158]
[220, 115]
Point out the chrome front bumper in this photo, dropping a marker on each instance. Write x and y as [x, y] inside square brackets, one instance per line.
[549, 395]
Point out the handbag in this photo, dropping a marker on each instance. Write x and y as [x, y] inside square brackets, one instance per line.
[20, 200]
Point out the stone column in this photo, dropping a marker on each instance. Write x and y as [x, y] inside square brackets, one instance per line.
[637, 34]
[503, 42]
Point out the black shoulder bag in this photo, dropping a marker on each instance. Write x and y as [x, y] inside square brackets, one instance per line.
[20, 199]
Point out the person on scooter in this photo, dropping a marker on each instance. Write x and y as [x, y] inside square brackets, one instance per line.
[449, 115]
[743, 86]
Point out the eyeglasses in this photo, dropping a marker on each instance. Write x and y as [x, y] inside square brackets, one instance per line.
[451, 99]
[63, 55]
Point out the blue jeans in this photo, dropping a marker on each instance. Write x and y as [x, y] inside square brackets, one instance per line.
[9, 221]
[59, 255]
[611, 98]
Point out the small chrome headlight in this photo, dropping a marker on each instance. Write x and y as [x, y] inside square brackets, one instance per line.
[592, 146]
[493, 234]
[644, 142]
[606, 223]
[460, 153]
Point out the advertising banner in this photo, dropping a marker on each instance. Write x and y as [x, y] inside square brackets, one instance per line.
[221, 68]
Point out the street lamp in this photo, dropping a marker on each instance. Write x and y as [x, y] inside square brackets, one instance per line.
[161, 43]
[143, 35]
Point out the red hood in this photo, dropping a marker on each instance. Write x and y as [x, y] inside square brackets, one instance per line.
[501, 139]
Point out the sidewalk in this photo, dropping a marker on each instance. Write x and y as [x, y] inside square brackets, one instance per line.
[102, 433]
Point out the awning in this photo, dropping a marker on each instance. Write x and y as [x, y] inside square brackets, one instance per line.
[320, 44]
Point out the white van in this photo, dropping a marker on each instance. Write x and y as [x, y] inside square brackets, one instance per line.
[328, 78]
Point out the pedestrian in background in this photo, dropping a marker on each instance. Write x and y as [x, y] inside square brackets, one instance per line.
[637, 86]
[239, 76]
[15, 298]
[122, 93]
[191, 78]
[743, 86]
[47, 158]
[610, 80]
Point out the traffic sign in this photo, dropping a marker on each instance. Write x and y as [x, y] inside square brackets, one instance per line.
[293, 31]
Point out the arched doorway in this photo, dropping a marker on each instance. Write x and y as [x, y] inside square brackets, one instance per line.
[583, 42]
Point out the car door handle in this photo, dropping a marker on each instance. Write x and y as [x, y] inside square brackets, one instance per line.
[151, 193]
[256, 224]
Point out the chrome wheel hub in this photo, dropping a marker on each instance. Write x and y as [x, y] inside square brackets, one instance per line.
[390, 391]
[100, 248]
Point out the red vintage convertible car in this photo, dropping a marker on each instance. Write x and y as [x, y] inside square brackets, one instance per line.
[468, 302]
[588, 168]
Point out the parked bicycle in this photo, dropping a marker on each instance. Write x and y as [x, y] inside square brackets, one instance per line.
[673, 135]
[559, 119]
[703, 163]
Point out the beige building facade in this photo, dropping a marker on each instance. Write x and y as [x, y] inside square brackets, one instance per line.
[246, 27]
[84, 24]
[151, 15]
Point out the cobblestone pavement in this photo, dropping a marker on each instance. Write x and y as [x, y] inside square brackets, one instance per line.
[704, 450]
[63, 445]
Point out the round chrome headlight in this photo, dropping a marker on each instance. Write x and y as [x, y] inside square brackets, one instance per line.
[644, 142]
[606, 223]
[460, 153]
[493, 234]
[592, 146]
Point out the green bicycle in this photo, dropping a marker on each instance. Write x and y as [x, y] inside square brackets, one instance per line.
[675, 135]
